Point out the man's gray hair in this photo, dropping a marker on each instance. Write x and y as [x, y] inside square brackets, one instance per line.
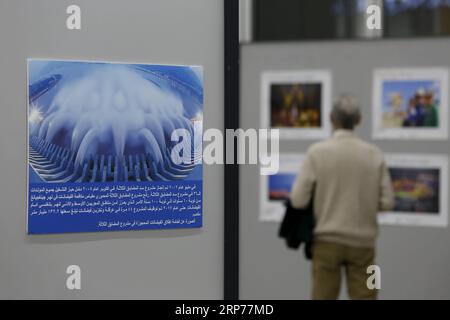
[346, 112]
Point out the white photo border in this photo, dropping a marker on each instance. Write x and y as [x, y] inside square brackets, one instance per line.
[269, 78]
[420, 219]
[435, 73]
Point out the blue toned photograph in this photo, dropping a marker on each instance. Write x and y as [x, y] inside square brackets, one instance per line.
[280, 186]
[411, 103]
[100, 151]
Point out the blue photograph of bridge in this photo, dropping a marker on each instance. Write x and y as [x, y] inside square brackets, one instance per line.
[101, 146]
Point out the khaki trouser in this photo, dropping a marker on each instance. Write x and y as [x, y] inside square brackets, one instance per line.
[328, 261]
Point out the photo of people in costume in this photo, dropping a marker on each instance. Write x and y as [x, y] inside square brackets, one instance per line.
[416, 190]
[411, 104]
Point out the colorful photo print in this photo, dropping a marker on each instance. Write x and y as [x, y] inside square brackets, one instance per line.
[297, 103]
[410, 104]
[416, 190]
[276, 189]
[420, 189]
[100, 153]
[280, 186]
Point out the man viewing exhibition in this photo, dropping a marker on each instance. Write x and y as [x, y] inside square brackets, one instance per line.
[349, 183]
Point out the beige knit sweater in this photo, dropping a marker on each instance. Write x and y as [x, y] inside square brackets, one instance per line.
[352, 185]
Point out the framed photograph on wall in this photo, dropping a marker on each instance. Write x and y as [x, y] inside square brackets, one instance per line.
[420, 185]
[275, 189]
[410, 104]
[100, 150]
[297, 102]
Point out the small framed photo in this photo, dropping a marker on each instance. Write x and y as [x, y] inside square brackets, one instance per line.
[410, 104]
[297, 102]
[420, 185]
[276, 189]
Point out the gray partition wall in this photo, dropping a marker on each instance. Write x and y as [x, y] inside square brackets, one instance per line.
[173, 264]
[414, 261]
